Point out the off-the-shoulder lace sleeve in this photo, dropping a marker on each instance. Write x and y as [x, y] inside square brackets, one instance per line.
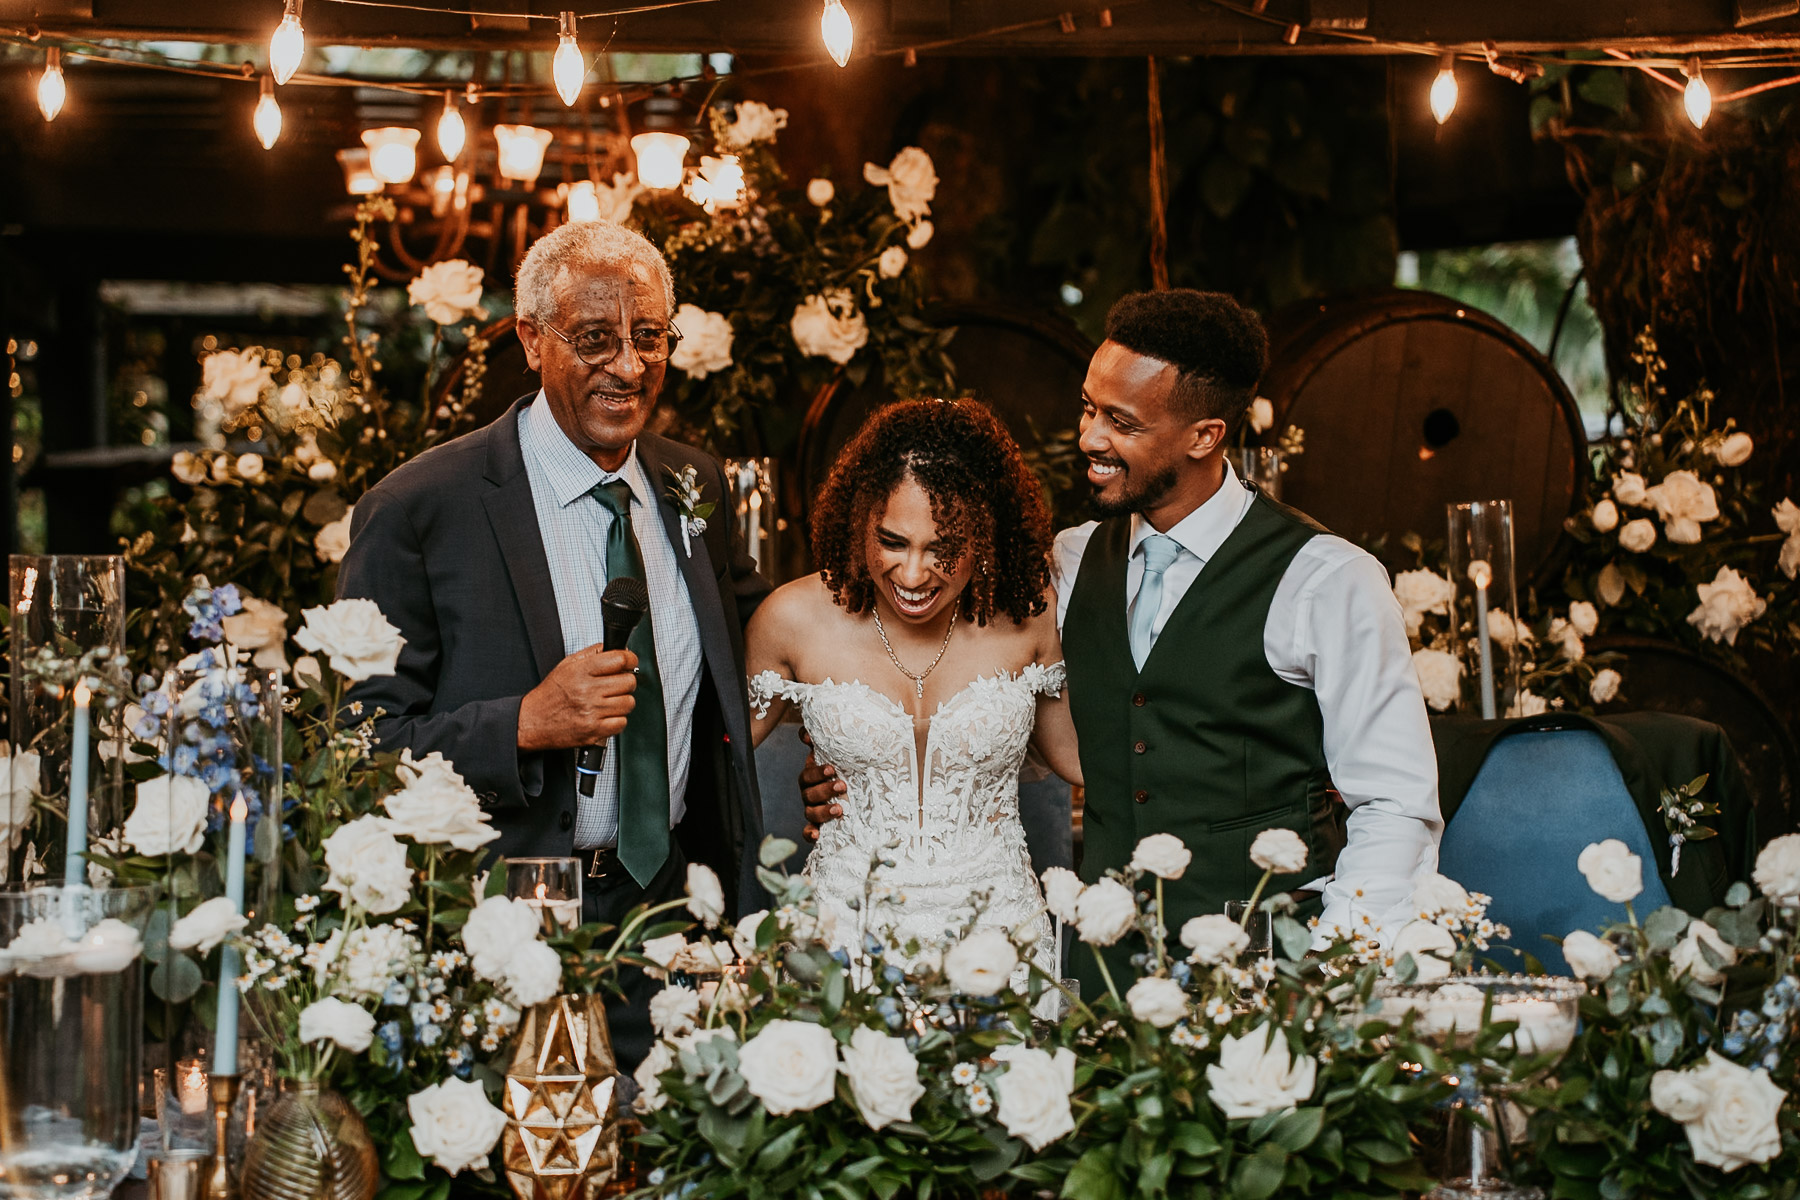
[1045, 679]
[766, 687]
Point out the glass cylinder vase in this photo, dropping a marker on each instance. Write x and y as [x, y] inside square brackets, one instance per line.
[67, 615]
[1261, 466]
[751, 503]
[1494, 641]
[71, 1027]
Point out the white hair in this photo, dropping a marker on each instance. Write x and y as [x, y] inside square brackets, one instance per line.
[580, 244]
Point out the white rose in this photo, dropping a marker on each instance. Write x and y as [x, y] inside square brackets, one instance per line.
[1628, 489]
[1637, 536]
[891, 262]
[1279, 850]
[982, 963]
[756, 122]
[1777, 870]
[820, 192]
[170, 816]
[188, 467]
[650, 1095]
[1261, 414]
[1688, 957]
[354, 636]
[1735, 450]
[449, 291]
[1214, 939]
[1034, 1093]
[1440, 677]
[209, 924]
[1563, 633]
[1589, 957]
[20, 775]
[705, 342]
[884, 1077]
[1421, 592]
[674, 1010]
[791, 1066]
[323, 471]
[1740, 1123]
[1584, 617]
[1683, 500]
[1612, 870]
[436, 806]
[533, 974]
[350, 1026]
[1505, 631]
[1062, 892]
[1727, 604]
[110, 946]
[454, 1124]
[494, 931]
[1436, 894]
[663, 951]
[1105, 912]
[706, 899]
[368, 866]
[1605, 686]
[829, 326]
[743, 934]
[616, 199]
[1611, 584]
[1163, 855]
[911, 182]
[1605, 516]
[1678, 1095]
[236, 379]
[1528, 704]
[1787, 519]
[1789, 562]
[332, 541]
[1257, 1074]
[920, 235]
[260, 627]
[1431, 946]
[1157, 1001]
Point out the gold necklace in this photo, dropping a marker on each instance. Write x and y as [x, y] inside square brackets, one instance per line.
[918, 680]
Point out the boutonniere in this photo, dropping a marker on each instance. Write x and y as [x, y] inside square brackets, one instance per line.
[684, 490]
[1682, 809]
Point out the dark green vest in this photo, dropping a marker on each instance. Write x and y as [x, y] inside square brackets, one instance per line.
[1206, 742]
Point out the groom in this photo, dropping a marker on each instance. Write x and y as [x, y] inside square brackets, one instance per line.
[1232, 666]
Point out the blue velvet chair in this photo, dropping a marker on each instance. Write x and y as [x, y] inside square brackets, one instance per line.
[1540, 797]
[1043, 804]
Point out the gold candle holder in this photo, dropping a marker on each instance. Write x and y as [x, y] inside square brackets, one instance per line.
[222, 1184]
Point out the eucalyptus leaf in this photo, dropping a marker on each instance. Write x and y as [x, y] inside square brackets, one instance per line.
[175, 979]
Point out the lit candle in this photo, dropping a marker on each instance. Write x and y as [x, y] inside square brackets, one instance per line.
[755, 533]
[225, 1033]
[1482, 575]
[557, 915]
[190, 1086]
[75, 861]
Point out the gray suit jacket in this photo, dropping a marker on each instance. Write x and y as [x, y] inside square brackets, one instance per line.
[448, 545]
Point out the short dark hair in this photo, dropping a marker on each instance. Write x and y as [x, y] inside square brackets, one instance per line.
[1218, 346]
[984, 498]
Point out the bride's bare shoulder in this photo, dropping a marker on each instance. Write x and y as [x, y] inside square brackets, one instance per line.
[797, 605]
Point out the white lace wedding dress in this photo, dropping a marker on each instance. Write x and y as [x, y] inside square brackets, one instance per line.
[949, 824]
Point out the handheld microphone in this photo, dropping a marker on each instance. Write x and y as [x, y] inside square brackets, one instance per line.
[622, 605]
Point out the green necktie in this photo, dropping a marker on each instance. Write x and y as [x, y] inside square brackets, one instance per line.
[643, 749]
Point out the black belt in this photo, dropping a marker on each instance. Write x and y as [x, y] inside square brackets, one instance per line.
[600, 862]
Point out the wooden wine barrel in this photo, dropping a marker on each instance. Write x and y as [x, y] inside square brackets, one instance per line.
[1412, 401]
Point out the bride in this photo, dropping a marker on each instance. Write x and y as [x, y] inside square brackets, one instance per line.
[925, 662]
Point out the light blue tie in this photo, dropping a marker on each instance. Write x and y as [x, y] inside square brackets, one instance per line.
[1159, 551]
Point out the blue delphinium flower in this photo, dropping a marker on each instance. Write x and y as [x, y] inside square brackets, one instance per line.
[397, 994]
[389, 1033]
[429, 1035]
[893, 974]
[227, 600]
[421, 1016]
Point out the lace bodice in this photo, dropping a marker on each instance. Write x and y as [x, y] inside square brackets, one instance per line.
[946, 818]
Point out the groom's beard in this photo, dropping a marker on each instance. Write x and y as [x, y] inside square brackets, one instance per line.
[1135, 498]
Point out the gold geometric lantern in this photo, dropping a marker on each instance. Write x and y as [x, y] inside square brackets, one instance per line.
[562, 1129]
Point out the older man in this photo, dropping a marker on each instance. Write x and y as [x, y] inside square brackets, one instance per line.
[490, 553]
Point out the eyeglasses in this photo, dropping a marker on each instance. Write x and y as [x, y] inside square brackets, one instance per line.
[596, 347]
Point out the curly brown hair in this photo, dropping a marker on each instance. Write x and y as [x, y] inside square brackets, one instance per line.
[985, 500]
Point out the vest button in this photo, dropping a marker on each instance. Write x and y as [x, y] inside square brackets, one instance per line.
[1140, 700]
[565, 821]
[1142, 797]
[1141, 747]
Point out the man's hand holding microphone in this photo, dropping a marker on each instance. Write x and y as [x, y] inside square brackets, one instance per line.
[584, 700]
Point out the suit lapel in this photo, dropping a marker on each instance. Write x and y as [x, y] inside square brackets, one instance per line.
[513, 515]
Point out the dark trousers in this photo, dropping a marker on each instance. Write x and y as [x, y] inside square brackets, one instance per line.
[608, 900]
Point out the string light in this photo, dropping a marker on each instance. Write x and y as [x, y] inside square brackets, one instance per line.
[567, 68]
[52, 89]
[659, 159]
[287, 44]
[267, 118]
[393, 152]
[451, 132]
[834, 25]
[1697, 96]
[1443, 90]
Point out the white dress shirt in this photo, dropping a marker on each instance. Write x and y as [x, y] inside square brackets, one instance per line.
[1334, 626]
[574, 526]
